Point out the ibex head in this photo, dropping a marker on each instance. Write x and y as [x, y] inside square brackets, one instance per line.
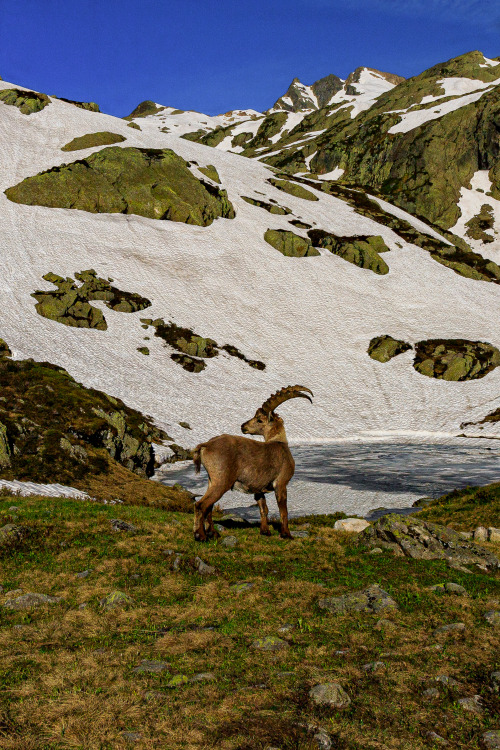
[265, 421]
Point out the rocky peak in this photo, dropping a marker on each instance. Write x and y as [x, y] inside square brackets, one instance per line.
[297, 98]
[355, 76]
[325, 88]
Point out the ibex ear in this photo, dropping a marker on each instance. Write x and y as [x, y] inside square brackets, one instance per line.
[270, 416]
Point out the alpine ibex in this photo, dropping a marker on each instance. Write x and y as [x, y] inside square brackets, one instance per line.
[243, 464]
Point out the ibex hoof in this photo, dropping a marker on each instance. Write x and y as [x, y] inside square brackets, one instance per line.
[213, 534]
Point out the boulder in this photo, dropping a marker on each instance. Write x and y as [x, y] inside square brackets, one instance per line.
[372, 600]
[290, 244]
[270, 643]
[91, 140]
[423, 540]
[330, 694]
[27, 102]
[116, 600]
[363, 251]
[455, 359]
[354, 525]
[30, 601]
[492, 739]
[384, 348]
[10, 535]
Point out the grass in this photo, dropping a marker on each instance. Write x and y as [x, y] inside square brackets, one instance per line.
[466, 509]
[67, 675]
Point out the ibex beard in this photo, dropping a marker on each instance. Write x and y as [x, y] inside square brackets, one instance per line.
[234, 462]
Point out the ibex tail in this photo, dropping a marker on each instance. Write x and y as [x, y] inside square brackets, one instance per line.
[197, 457]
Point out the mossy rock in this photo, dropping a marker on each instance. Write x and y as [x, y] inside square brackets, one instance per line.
[149, 182]
[27, 102]
[293, 188]
[143, 350]
[193, 349]
[89, 106]
[70, 303]
[133, 125]
[362, 251]
[478, 226]
[269, 127]
[455, 359]
[210, 172]
[290, 244]
[93, 139]
[273, 208]
[384, 348]
[4, 349]
[241, 139]
[144, 109]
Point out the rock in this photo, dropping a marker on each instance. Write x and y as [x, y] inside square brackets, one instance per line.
[472, 704]
[384, 348]
[455, 360]
[210, 172]
[28, 102]
[91, 140]
[299, 534]
[242, 586]
[4, 349]
[177, 681]
[290, 244]
[480, 534]
[119, 525]
[13, 592]
[466, 534]
[362, 251]
[270, 643]
[373, 666]
[493, 617]
[493, 534]
[82, 606]
[372, 600]
[10, 535]
[424, 540]
[203, 677]
[431, 693]
[454, 627]
[286, 627]
[84, 573]
[151, 666]
[449, 588]
[436, 738]
[495, 680]
[155, 183]
[492, 739]
[376, 551]
[30, 600]
[293, 188]
[330, 694]
[131, 737]
[229, 542]
[203, 568]
[354, 525]
[13, 509]
[323, 739]
[116, 600]
[273, 208]
[446, 680]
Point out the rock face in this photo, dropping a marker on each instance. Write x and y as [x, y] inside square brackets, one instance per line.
[149, 182]
[193, 349]
[478, 226]
[455, 359]
[70, 303]
[27, 102]
[372, 600]
[144, 109]
[52, 426]
[423, 540]
[384, 348]
[293, 188]
[89, 106]
[361, 251]
[290, 244]
[210, 172]
[93, 139]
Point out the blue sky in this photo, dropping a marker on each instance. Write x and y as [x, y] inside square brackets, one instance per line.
[214, 56]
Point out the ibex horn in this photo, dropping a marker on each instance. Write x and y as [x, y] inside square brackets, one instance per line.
[290, 391]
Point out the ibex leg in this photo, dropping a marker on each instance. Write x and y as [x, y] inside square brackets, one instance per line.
[281, 497]
[210, 529]
[260, 498]
[201, 509]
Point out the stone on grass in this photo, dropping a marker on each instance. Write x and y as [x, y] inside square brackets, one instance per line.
[373, 666]
[472, 704]
[449, 588]
[431, 693]
[177, 681]
[119, 525]
[436, 738]
[84, 573]
[493, 533]
[286, 627]
[30, 600]
[330, 694]
[203, 677]
[493, 617]
[495, 681]
[116, 600]
[384, 625]
[14, 509]
[453, 627]
[480, 534]
[131, 737]
[299, 534]
[203, 568]
[151, 666]
[372, 600]
[230, 542]
[323, 739]
[492, 739]
[241, 586]
[354, 525]
[10, 535]
[376, 551]
[270, 643]
[444, 679]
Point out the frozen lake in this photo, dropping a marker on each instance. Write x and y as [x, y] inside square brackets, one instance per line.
[359, 477]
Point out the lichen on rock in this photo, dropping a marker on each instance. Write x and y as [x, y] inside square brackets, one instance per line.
[363, 251]
[90, 140]
[383, 348]
[156, 183]
[27, 102]
[4, 349]
[478, 226]
[272, 208]
[210, 172]
[290, 244]
[70, 303]
[455, 359]
[293, 188]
